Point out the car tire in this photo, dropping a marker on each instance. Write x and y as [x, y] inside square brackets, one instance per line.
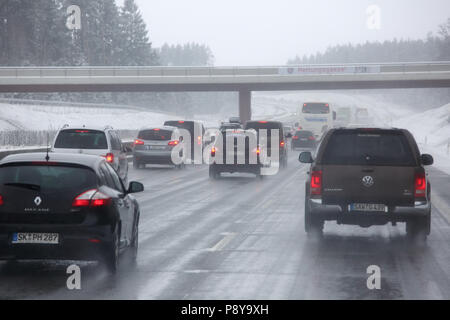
[313, 226]
[111, 259]
[418, 229]
[213, 173]
[134, 247]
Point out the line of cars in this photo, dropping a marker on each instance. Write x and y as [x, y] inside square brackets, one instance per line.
[74, 203]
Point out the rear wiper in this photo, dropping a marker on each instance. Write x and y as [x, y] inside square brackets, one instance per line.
[24, 185]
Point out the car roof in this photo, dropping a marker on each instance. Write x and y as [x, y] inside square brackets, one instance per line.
[169, 128]
[265, 122]
[366, 129]
[85, 127]
[188, 121]
[69, 158]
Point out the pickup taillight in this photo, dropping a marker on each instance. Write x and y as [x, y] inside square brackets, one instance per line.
[420, 185]
[316, 183]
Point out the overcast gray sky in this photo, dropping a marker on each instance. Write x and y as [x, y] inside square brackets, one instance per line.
[269, 32]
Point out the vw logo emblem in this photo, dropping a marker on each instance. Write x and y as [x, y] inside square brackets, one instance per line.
[37, 200]
[367, 181]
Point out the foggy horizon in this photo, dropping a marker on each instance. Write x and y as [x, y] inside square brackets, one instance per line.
[281, 31]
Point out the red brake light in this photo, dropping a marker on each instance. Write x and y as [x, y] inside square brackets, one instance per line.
[258, 151]
[1, 200]
[110, 157]
[156, 129]
[262, 121]
[199, 140]
[213, 151]
[316, 183]
[181, 121]
[81, 131]
[420, 185]
[137, 141]
[282, 144]
[173, 143]
[91, 198]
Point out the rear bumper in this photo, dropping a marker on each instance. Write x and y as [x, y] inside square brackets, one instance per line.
[306, 145]
[341, 214]
[74, 242]
[251, 168]
[153, 157]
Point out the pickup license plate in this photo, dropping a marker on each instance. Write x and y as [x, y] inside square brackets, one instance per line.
[35, 238]
[370, 207]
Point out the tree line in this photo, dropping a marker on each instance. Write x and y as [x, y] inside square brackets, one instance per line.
[34, 33]
[436, 47]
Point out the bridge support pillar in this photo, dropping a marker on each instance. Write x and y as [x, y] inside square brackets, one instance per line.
[245, 105]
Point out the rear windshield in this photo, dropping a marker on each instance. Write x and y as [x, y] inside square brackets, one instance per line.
[316, 108]
[371, 148]
[162, 135]
[188, 125]
[262, 125]
[230, 126]
[304, 134]
[47, 178]
[81, 139]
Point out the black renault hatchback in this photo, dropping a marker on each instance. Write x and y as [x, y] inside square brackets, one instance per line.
[69, 207]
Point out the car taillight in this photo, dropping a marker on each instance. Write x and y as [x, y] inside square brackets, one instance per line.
[138, 142]
[311, 138]
[213, 151]
[91, 198]
[258, 151]
[295, 137]
[1, 200]
[420, 185]
[173, 143]
[110, 157]
[199, 140]
[316, 183]
[282, 143]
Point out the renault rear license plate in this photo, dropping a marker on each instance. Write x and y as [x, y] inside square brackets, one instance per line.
[371, 207]
[35, 238]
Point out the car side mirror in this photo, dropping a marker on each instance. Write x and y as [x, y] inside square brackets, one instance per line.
[426, 159]
[135, 187]
[305, 157]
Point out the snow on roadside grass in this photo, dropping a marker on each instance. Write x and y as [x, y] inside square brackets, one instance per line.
[431, 129]
[51, 117]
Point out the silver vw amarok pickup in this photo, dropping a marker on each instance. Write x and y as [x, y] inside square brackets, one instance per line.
[365, 177]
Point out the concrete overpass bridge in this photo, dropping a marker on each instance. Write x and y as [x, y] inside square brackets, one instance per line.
[240, 79]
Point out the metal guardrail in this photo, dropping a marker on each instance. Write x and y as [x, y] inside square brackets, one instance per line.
[151, 71]
[5, 153]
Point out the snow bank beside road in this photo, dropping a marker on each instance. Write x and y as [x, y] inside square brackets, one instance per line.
[30, 117]
[432, 131]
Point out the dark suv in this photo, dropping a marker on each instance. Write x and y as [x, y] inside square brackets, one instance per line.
[368, 176]
[242, 154]
[70, 206]
[270, 126]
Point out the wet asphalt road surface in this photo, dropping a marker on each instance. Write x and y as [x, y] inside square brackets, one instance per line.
[243, 238]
